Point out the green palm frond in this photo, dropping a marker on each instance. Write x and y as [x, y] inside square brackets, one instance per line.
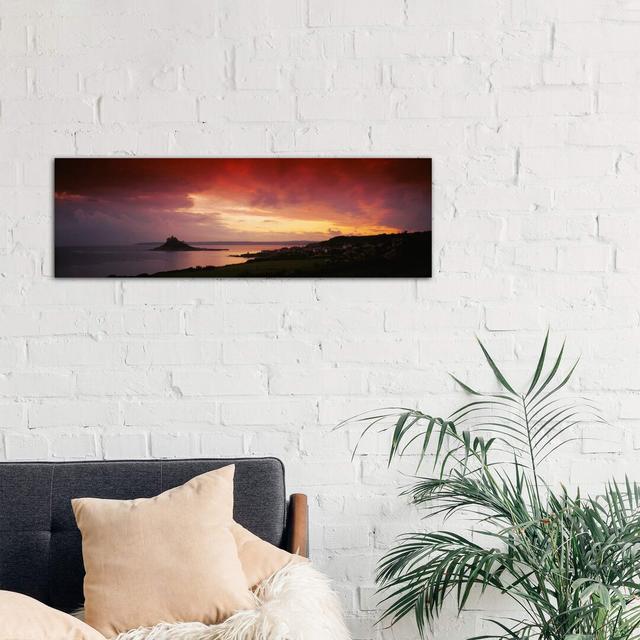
[571, 563]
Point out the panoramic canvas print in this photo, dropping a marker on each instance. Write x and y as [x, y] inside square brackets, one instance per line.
[242, 217]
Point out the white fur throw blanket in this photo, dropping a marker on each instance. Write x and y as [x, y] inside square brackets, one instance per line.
[296, 603]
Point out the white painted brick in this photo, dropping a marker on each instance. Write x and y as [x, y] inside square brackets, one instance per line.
[247, 106]
[9, 354]
[229, 381]
[273, 411]
[334, 13]
[170, 414]
[536, 256]
[516, 73]
[272, 350]
[364, 290]
[343, 105]
[426, 317]
[123, 446]
[322, 473]
[268, 291]
[13, 415]
[173, 445]
[32, 384]
[357, 74]
[73, 413]
[568, 163]
[74, 447]
[144, 321]
[326, 137]
[415, 138]
[26, 447]
[180, 351]
[222, 444]
[514, 315]
[310, 75]
[616, 99]
[466, 258]
[122, 382]
[69, 292]
[563, 71]
[342, 320]
[390, 381]
[48, 111]
[148, 109]
[75, 352]
[301, 381]
[551, 101]
[594, 39]
[242, 16]
[585, 257]
[463, 12]
[395, 351]
[167, 293]
[476, 44]
[387, 43]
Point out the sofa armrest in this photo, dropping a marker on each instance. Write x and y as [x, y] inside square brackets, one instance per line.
[298, 530]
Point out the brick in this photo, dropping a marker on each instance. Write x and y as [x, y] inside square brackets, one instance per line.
[274, 411]
[148, 109]
[124, 446]
[463, 12]
[74, 447]
[240, 17]
[26, 447]
[73, 413]
[48, 111]
[74, 352]
[169, 414]
[388, 43]
[342, 105]
[584, 257]
[568, 163]
[122, 382]
[13, 415]
[229, 381]
[173, 445]
[551, 101]
[247, 106]
[511, 316]
[301, 381]
[37, 384]
[271, 350]
[334, 13]
[181, 351]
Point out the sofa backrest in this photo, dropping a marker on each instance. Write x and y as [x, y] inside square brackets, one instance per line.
[40, 545]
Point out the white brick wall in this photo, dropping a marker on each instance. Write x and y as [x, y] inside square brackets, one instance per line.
[529, 109]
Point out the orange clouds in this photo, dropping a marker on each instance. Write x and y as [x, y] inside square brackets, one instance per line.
[119, 200]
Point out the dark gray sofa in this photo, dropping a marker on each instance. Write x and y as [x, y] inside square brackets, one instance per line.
[40, 545]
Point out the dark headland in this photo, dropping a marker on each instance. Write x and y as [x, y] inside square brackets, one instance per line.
[173, 244]
[390, 255]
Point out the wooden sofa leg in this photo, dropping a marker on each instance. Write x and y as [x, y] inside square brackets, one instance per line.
[298, 534]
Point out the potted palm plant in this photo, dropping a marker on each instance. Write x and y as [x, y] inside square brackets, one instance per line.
[569, 562]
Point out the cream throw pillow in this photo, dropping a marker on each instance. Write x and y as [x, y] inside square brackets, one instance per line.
[23, 618]
[260, 560]
[171, 558]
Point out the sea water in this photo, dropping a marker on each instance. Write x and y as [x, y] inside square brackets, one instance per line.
[138, 259]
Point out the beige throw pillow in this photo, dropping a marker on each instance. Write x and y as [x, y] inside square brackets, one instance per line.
[171, 558]
[23, 618]
[260, 560]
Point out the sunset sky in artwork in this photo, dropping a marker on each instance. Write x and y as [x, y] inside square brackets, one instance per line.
[101, 201]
